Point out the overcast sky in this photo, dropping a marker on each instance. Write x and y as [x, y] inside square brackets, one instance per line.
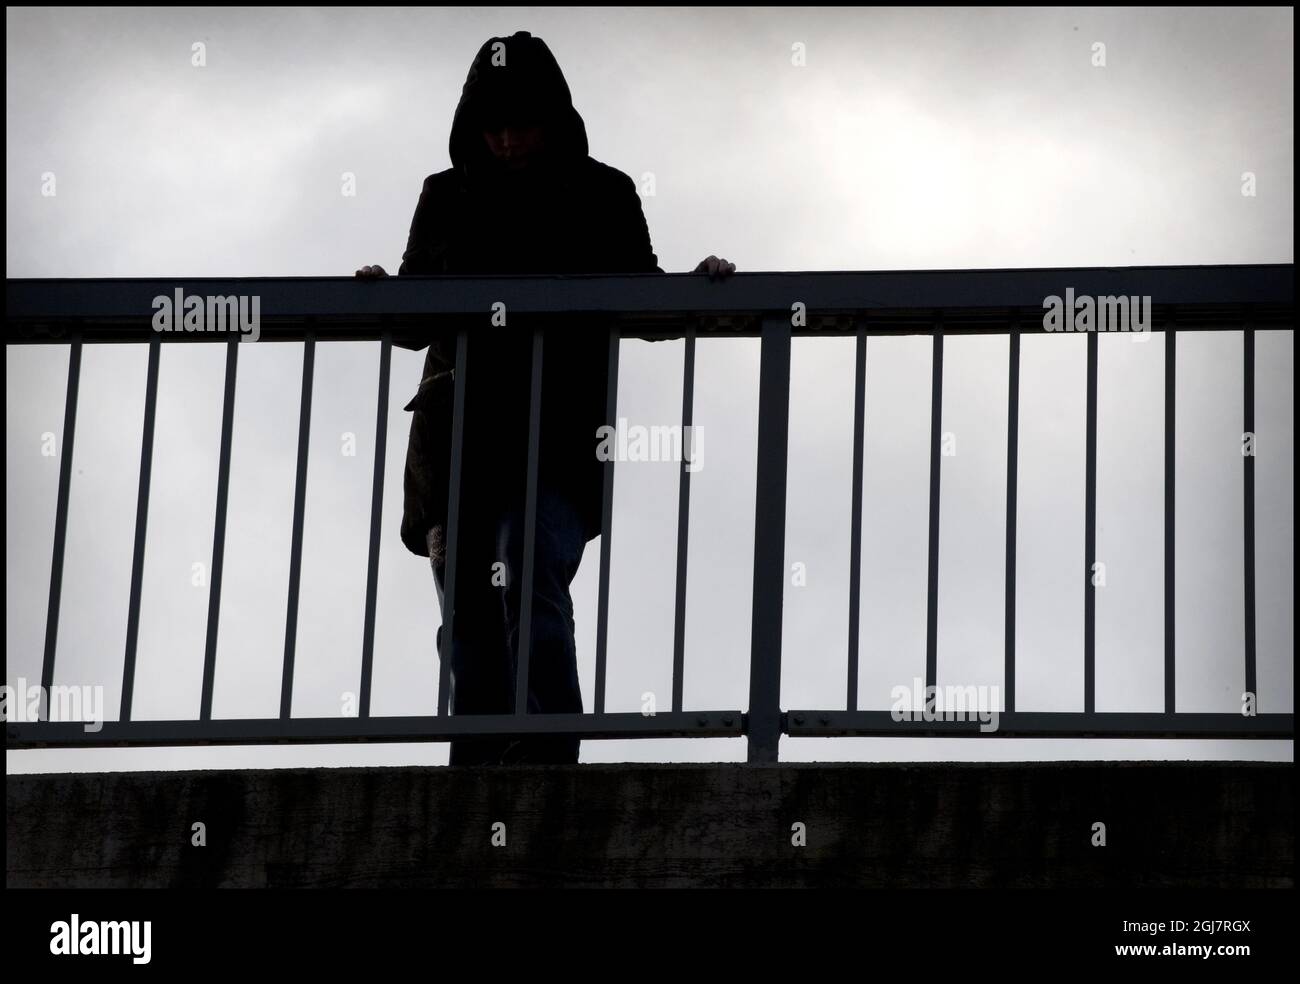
[910, 139]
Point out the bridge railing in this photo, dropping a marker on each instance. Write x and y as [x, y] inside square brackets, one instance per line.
[772, 306]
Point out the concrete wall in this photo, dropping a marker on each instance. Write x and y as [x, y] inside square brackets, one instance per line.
[1167, 824]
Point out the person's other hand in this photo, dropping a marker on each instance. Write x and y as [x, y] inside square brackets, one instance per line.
[716, 268]
[372, 272]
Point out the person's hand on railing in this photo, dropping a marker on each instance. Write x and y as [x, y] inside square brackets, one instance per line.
[716, 268]
[375, 272]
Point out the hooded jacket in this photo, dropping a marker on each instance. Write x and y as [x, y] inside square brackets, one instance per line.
[566, 213]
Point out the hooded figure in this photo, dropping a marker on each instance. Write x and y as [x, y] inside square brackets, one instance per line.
[563, 213]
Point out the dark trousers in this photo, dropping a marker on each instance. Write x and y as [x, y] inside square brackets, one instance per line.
[484, 649]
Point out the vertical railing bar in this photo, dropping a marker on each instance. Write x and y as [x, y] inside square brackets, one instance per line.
[763, 720]
[1248, 498]
[451, 531]
[60, 522]
[936, 438]
[141, 526]
[1171, 379]
[376, 523]
[855, 528]
[530, 528]
[1013, 458]
[683, 518]
[219, 529]
[606, 526]
[299, 507]
[1090, 535]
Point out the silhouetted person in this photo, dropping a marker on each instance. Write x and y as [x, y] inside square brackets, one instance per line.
[522, 197]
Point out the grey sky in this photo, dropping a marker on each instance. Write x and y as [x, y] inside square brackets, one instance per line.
[910, 139]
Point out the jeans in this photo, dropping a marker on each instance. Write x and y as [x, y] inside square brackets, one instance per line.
[484, 650]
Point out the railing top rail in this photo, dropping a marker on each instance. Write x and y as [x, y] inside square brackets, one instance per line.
[120, 309]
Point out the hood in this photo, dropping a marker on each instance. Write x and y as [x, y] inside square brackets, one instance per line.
[515, 76]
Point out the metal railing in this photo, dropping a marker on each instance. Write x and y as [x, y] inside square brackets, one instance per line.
[403, 310]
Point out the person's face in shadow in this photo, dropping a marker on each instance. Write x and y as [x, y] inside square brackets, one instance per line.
[514, 146]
